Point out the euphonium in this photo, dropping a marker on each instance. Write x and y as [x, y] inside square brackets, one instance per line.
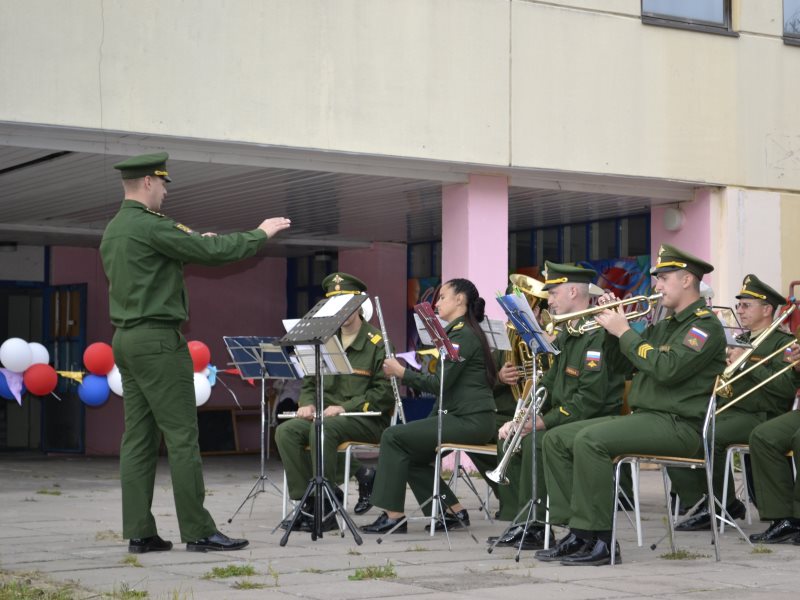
[549, 321]
[531, 407]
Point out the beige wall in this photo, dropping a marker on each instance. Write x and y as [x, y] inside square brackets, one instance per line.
[790, 242]
[575, 85]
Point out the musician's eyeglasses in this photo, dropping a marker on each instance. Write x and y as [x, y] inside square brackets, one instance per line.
[748, 305]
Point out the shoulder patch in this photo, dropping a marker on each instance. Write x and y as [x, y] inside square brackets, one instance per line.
[458, 326]
[152, 212]
[184, 228]
[593, 360]
[702, 312]
[643, 349]
[695, 339]
[376, 338]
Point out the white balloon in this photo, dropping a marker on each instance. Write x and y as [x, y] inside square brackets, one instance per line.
[15, 354]
[115, 381]
[202, 389]
[39, 354]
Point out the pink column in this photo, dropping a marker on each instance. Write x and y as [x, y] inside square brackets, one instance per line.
[475, 235]
[383, 267]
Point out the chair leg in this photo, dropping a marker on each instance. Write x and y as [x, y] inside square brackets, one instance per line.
[637, 510]
[437, 469]
[670, 523]
[547, 528]
[745, 491]
[614, 502]
[347, 457]
[285, 507]
[728, 474]
[712, 509]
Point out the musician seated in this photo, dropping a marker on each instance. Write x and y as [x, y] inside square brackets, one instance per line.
[755, 309]
[408, 452]
[579, 386]
[366, 390]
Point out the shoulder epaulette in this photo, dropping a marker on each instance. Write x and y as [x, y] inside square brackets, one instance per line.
[702, 312]
[458, 326]
[152, 212]
[376, 338]
[184, 228]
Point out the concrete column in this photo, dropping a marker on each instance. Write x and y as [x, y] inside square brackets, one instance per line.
[383, 267]
[475, 236]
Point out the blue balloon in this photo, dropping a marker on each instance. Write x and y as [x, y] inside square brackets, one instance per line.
[94, 390]
[5, 391]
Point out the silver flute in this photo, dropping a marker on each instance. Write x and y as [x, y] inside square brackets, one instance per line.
[398, 402]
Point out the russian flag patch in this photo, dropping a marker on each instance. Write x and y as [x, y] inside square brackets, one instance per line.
[593, 360]
[695, 339]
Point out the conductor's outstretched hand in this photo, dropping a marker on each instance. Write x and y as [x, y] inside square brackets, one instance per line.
[274, 225]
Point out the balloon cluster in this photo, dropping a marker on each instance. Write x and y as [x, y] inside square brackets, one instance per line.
[26, 366]
[201, 359]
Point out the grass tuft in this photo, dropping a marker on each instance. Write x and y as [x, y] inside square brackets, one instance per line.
[682, 555]
[46, 492]
[381, 572]
[230, 571]
[760, 549]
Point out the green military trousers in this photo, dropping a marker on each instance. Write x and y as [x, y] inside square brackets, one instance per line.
[578, 461]
[488, 462]
[732, 427]
[778, 495]
[408, 453]
[297, 445]
[157, 377]
[519, 489]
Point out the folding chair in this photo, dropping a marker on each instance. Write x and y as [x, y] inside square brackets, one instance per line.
[740, 450]
[460, 473]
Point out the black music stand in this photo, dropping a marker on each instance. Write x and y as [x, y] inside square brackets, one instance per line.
[520, 314]
[314, 329]
[260, 358]
[447, 351]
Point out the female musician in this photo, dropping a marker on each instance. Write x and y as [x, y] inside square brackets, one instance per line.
[407, 451]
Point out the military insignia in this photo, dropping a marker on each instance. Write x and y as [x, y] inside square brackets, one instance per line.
[660, 252]
[572, 371]
[337, 280]
[184, 228]
[458, 326]
[664, 348]
[564, 411]
[364, 372]
[152, 212]
[643, 350]
[702, 312]
[376, 338]
[755, 358]
[592, 360]
[695, 339]
[366, 407]
[747, 280]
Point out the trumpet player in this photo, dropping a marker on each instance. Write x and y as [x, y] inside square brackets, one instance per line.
[677, 361]
[777, 491]
[756, 306]
[579, 387]
[365, 390]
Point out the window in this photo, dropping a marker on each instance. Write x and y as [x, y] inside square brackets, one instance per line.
[711, 16]
[791, 22]
[304, 281]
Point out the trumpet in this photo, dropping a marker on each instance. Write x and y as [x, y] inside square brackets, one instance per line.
[550, 321]
[533, 404]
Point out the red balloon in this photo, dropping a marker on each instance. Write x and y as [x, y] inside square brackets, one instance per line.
[40, 379]
[99, 358]
[201, 355]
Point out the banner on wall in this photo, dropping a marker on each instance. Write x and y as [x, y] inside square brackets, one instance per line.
[624, 277]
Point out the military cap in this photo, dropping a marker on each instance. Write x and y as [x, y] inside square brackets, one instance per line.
[342, 283]
[753, 287]
[555, 274]
[144, 164]
[671, 258]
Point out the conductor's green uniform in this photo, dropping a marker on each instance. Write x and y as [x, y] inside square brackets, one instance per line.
[365, 390]
[408, 451]
[777, 490]
[676, 361]
[580, 386]
[734, 425]
[143, 254]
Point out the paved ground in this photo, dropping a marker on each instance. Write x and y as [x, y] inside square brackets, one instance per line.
[76, 536]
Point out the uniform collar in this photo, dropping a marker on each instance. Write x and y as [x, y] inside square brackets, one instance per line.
[133, 204]
[361, 337]
[454, 322]
[687, 312]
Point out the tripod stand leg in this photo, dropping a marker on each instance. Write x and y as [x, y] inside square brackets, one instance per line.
[295, 515]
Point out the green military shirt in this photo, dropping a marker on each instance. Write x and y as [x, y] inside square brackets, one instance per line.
[366, 389]
[579, 384]
[676, 361]
[774, 398]
[143, 254]
[466, 390]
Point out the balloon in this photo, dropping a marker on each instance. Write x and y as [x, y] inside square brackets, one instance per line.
[99, 358]
[201, 355]
[15, 354]
[202, 389]
[40, 379]
[94, 390]
[39, 354]
[115, 381]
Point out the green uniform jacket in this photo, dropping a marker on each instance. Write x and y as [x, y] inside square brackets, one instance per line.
[143, 254]
[366, 389]
[466, 390]
[776, 397]
[504, 401]
[579, 384]
[676, 361]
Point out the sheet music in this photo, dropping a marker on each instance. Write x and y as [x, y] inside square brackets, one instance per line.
[520, 314]
[496, 335]
[334, 358]
[424, 336]
[333, 306]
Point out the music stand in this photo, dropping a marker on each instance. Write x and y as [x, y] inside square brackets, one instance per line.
[259, 358]
[520, 314]
[315, 328]
[447, 351]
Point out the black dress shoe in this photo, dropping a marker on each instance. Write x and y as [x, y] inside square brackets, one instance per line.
[365, 477]
[509, 538]
[594, 554]
[457, 520]
[533, 539]
[701, 520]
[216, 542]
[566, 547]
[148, 544]
[781, 531]
[383, 524]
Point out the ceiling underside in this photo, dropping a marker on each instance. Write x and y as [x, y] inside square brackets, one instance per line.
[51, 196]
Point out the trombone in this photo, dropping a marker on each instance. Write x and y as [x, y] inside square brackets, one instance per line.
[550, 321]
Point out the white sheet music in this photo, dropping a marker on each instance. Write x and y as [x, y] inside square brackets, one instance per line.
[496, 335]
[333, 305]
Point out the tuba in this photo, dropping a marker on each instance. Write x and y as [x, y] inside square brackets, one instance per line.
[520, 354]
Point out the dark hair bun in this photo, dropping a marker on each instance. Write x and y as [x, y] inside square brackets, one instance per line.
[479, 308]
